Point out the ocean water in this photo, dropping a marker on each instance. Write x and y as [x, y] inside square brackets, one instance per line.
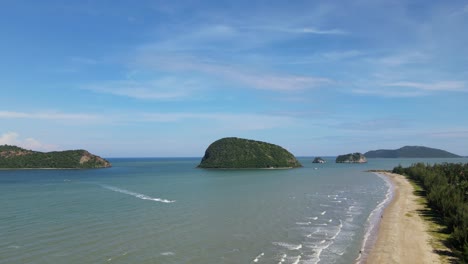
[164, 210]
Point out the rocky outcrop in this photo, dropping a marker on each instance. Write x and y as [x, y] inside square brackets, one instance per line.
[318, 160]
[351, 158]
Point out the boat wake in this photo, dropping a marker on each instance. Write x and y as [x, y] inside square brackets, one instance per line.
[137, 195]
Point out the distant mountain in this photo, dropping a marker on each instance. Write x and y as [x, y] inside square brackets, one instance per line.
[13, 157]
[410, 152]
[239, 153]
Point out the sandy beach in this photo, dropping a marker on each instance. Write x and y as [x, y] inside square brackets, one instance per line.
[402, 236]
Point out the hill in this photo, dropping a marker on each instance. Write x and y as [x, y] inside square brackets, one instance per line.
[13, 157]
[351, 158]
[238, 153]
[410, 152]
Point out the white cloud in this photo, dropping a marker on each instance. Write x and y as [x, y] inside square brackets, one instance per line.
[13, 138]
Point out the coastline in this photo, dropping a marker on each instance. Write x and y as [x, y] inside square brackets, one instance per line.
[402, 235]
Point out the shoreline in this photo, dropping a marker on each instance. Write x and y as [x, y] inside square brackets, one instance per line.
[402, 235]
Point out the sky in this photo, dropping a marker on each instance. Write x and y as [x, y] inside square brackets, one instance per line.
[167, 78]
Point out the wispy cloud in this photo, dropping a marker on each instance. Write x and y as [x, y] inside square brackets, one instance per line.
[404, 58]
[251, 79]
[225, 121]
[84, 60]
[13, 138]
[374, 124]
[410, 89]
[436, 86]
[341, 55]
[297, 30]
[158, 89]
[388, 93]
[47, 116]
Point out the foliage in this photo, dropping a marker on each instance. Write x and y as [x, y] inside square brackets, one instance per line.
[351, 158]
[446, 187]
[410, 152]
[245, 153]
[13, 157]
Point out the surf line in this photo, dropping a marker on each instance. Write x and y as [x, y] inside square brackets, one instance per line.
[135, 194]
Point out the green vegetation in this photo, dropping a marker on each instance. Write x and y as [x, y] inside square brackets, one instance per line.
[12, 157]
[446, 189]
[351, 158]
[241, 153]
[410, 152]
[318, 160]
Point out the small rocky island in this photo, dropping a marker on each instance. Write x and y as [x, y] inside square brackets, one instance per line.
[318, 160]
[239, 153]
[351, 158]
[13, 157]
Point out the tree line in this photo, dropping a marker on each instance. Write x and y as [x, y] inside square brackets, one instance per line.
[446, 187]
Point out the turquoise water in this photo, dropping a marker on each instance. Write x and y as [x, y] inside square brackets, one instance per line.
[167, 211]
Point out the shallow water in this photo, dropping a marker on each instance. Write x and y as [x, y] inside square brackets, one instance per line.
[167, 211]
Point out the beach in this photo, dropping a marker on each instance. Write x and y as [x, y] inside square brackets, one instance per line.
[402, 235]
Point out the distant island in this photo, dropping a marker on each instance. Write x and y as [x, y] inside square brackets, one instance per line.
[239, 153]
[410, 152]
[351, 158]
[13, 157]
[318, 160]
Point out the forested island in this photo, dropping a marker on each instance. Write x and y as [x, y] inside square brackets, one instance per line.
[351, 158]
[446, 188]
[410, 152]
[13, 157]
[239, 153]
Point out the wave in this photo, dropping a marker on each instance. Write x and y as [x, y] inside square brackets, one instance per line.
[303, 223]
[323, 212]
[283, 259]
[137, 195]
[168, 253]
[373, 220]
[258, 257]
[327, 245]
[288, 246]
[297, 260]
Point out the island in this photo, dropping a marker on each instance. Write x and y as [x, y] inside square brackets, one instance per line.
[13, 157]
[318, 160]
[410, 152]
[351, 158]
[239, 153]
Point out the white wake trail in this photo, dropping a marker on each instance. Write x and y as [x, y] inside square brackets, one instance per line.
[137, 195]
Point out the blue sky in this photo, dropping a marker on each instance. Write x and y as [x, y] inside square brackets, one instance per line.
[166, 78]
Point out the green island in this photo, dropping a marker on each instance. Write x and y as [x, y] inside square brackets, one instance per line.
[351, 158]
[410, 152]
[239, 153]
[13, 157]
[445, 186]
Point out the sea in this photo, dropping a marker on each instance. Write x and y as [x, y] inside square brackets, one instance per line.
[165, 210]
